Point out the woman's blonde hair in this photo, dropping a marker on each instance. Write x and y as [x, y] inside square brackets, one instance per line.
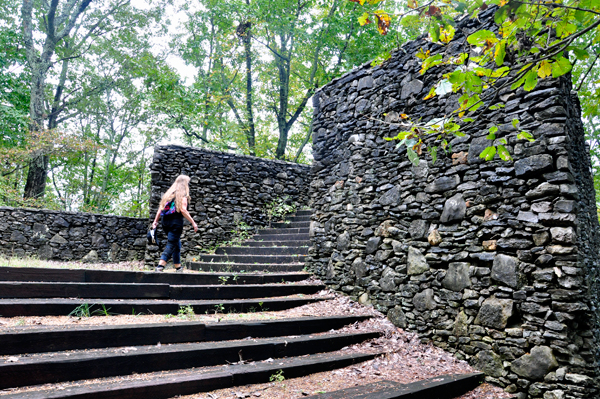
[179, 190]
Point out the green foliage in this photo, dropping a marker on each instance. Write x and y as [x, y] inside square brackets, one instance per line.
[277, 377]
[278, 208]
[186, 312]
[81, 311]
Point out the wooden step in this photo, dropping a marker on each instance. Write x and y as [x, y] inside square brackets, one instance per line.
[307, 212]
[171, 384]
[281, 237]
[242, 268]
[441, 387]
[291, 225]
[300, 243]
[81, 365]
[109, 276]
[63, 307]
[266, 250]
[303, 218]
[270, 259]
[302, 230]
[20, 289]
[52, 339]
[242, 291]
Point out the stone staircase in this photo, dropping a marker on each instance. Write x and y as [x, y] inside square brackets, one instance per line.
[163, 360]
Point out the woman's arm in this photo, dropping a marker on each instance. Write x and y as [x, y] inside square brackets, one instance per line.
[186, 214]
[156, 219]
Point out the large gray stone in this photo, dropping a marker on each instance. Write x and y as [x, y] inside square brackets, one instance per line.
[418, 228]
[58, 239]
[17, 237]
[457, 277]
[494, 313]
[397, 317]
[372, 245]
[543, 190]
[476, 147]
[391, 197]
[461, 325]
[535, 365]
[416, 262]
[534, 165]
[454, 209]
[505, 270]
[99, 241]
[424, 300]
[442, 184]
[343, 241]
[413, 87]
[91, 257]
[489, 362]
[563, 235]
[387, 279]
[359, 267]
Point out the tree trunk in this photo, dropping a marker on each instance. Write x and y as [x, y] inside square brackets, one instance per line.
[250, 130]
[36, 177]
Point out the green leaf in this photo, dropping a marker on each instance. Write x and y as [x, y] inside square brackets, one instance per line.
[480, 37]
[503, 141]
[433, 153]
[488, 154]
[444, 87]
[531, 79]
[503, 153]
[493, 130]
[502, 14]
[500, 53]
[413, 156]
[560, 67]
[525, 136]
[515, 122]
[434, 33]
[580, 54]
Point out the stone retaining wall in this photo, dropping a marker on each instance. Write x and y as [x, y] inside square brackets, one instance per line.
[226, 189]
[70, 236]
[495, 261]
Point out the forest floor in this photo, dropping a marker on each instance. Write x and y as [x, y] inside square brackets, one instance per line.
[406, 359]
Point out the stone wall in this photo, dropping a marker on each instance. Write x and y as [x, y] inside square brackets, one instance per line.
[69, 236]
[495, 261]
[225, 190]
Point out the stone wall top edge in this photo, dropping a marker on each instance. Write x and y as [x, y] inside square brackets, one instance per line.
[255, 158]
[37, 210]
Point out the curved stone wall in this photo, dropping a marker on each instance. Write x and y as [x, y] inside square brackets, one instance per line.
[225, 189]
[495, 261]
[71, 236]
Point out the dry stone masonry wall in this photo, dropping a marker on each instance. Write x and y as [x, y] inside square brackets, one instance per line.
[226, 189]
[70, 236]
[495, 261]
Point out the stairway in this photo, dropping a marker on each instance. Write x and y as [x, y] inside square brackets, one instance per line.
[281, 248]
[163, 360]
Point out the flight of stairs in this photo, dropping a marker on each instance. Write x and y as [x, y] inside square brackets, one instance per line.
[163, 360]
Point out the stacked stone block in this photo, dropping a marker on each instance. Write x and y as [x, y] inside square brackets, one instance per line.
[494, 261]
[71, 236]
[226, 189]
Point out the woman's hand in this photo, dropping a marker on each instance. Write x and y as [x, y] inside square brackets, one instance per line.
[195, 226]
[154, 225]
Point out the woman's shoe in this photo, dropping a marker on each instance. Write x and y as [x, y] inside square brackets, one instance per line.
[159, 268]
[179, 269]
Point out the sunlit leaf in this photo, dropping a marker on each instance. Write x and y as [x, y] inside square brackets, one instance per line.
[560, 67]
[444, 87]
[531, 79]
[488, 154]
[503, 153]
[412, 156]
[447, 34]
[364, 19]
[525, 136]
[433, 153]
[545, 69]
[383, 21]
[480, 37]
[431, 94]
[500, 53]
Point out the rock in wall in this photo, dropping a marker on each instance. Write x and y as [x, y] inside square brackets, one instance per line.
[71, 236]
[494, 261]
[225, 189]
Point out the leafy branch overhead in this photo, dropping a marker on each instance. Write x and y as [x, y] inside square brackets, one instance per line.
[530, 41]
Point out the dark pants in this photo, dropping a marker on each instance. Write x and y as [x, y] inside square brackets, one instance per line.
[173, 247]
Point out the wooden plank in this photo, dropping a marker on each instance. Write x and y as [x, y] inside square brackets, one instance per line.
[241, 291]
[440, 387]
[20, 289]
[173, 384]
[63, 307]
[245, 267]
[61, 338]
[41, 369]
[40, 274]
